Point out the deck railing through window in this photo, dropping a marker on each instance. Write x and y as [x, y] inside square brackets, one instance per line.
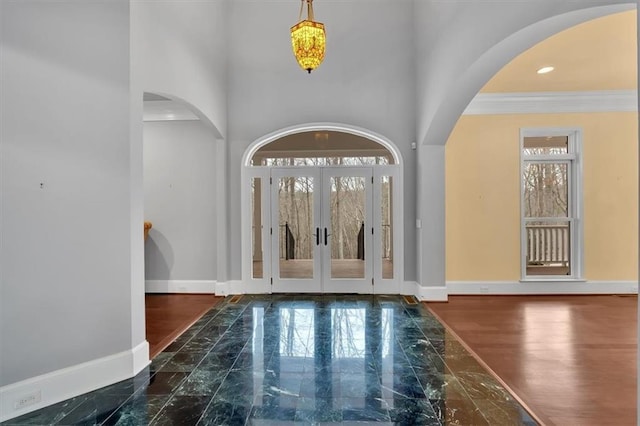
[287, 243]
[547, 244]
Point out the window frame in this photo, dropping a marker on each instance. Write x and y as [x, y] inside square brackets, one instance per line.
[574, 197]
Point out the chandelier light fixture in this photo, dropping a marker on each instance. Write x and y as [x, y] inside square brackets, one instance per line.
[308, 39]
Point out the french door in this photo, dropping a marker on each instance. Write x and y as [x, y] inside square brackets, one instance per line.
[321, 229]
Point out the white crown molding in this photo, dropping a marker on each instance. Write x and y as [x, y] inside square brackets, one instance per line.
[553, 102]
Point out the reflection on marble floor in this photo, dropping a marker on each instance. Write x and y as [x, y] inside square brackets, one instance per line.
[279, 360]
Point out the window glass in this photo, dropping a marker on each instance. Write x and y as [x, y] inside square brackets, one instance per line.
[546, 145]
[546, 189]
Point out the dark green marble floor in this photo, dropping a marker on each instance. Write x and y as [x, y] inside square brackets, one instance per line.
[284, 360]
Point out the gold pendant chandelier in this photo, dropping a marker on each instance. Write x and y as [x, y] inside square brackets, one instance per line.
[308, 40]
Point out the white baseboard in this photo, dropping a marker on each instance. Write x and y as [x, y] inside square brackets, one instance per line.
[541, 287]
[180, 286]
[51, 388]
[431, 293]
[140, 357]
[423, 293]
[222, 288]
[409, 288]
[250, 286]
[236, 287]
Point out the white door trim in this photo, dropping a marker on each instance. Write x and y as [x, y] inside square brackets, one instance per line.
[248, 171]
[294, 285]
[347, 285]
[313, 127]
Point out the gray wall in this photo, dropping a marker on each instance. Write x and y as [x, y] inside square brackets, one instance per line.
[66, 290]
[366, 80]
[180, 200]
[180, 50]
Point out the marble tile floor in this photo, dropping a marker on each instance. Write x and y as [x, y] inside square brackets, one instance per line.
[299, 360]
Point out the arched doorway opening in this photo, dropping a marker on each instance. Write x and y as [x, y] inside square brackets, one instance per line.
[320, 206]
[179, 146]
[560, 127]
[435, 253]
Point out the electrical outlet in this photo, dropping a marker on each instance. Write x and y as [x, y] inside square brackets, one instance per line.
[484, 289]
[28, 399]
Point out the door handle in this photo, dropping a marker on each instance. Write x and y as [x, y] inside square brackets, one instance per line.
[325, 236]
[317, 236]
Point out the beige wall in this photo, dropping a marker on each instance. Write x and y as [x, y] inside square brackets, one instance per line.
[483, 195]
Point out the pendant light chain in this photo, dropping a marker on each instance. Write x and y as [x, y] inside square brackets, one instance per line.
[310, 10]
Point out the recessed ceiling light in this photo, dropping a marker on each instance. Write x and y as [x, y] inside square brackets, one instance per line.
[545, 70]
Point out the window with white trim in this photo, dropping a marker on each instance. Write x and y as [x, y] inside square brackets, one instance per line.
[551, 232]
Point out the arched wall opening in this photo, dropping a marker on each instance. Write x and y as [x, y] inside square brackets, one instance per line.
[181, 156]
[434, 243]
[509, 138]
[304, 180]
[487, 167]
[441, 123]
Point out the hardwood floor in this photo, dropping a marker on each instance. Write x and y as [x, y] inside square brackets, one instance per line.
[169, 315]
[571, 359]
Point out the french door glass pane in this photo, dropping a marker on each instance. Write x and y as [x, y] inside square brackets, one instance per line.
[386, 230]
[548, 248]
[256, 228]
[296, 235]
[347, 210]
[546, 189]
